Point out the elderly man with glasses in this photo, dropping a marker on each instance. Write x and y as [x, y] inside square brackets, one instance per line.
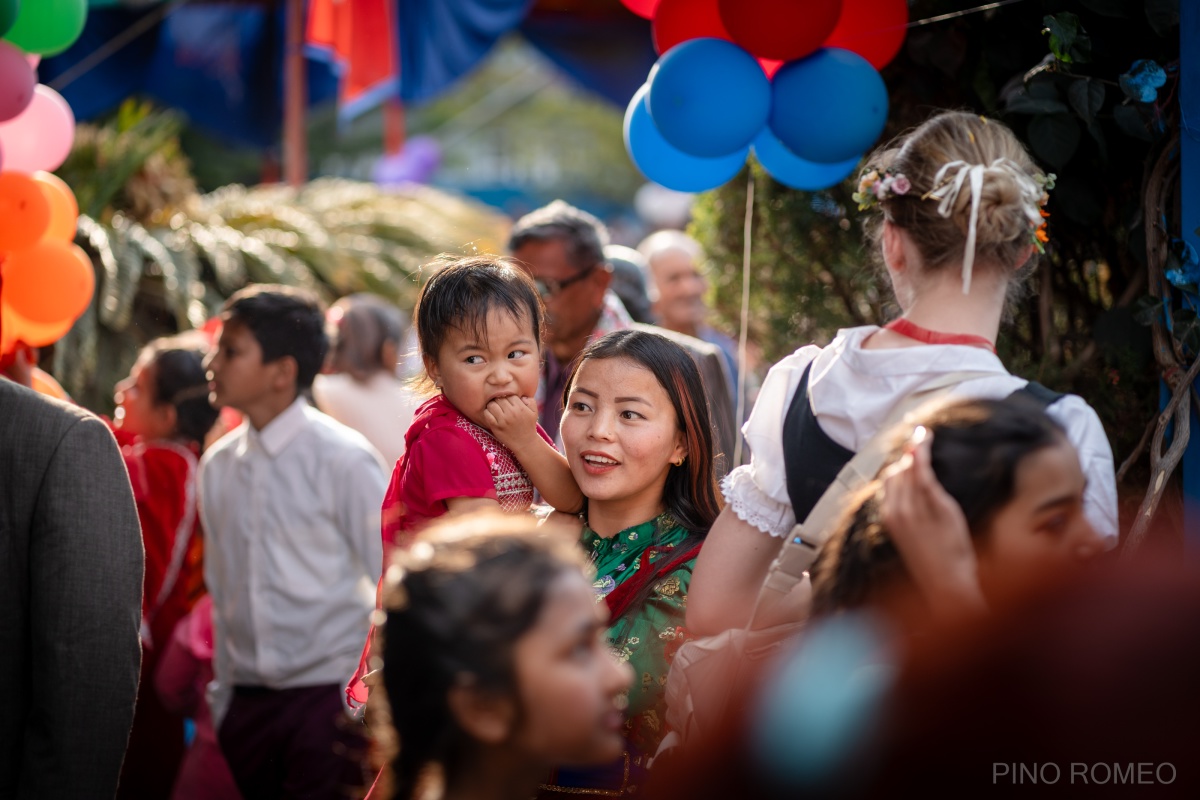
[562, 248]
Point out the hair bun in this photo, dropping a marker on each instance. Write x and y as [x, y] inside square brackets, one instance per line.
[1003, 216]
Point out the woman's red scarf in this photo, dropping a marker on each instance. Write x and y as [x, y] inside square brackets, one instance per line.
[618, 599]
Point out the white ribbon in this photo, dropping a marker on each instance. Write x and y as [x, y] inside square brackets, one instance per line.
[947, 192]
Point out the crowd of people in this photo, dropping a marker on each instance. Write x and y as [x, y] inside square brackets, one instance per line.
[524, 608]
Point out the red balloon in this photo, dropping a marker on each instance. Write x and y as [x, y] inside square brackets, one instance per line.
[783, 30]
[677, 21]
[874, 29]
[643, 8]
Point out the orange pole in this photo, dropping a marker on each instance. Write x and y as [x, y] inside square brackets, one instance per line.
[295, 98]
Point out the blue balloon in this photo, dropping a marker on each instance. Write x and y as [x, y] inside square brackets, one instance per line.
[663, 164]
[792, 170]
[709, 97]
[828, 107]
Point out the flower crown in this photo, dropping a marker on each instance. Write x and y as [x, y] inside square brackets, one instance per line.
[874, 187]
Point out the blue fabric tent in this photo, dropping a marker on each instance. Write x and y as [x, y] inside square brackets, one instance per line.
[220, 63]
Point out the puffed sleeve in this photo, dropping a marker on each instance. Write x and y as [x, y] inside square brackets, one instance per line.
[757, 492]
[1086, 432]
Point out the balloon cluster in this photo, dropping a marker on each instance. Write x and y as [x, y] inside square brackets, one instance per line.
[796, 81]
[46, 281]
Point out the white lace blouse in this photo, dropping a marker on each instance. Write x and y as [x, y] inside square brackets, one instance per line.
[853, 391]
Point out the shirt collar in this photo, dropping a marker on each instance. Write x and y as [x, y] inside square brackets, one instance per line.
[280, 431]
[926, 359]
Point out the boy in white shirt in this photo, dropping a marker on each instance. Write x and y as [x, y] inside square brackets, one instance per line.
[290, 504]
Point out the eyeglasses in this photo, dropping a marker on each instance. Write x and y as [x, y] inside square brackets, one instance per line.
[548, 287]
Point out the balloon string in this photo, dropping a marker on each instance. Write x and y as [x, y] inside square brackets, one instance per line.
[743, 333]
[930, 20]
[963, 13]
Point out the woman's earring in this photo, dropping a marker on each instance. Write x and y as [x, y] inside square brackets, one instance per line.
[679, 463]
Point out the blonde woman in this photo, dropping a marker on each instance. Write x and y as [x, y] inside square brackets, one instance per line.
[956, 218]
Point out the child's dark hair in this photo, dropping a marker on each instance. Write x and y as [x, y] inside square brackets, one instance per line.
[462, 291]
[364, 324]
[181, 380]
[976, 450]
[285, 321]
[457, 602]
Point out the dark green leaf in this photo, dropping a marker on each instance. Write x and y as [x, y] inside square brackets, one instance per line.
[1055, 137]
[1086, 96]
[1068, 41]
[1037, 97]
[1097, 133]
[1107, 8]
[1163, 15]
[1043, 88]
[1129, 120]
[1147, 309]
[1022, 103]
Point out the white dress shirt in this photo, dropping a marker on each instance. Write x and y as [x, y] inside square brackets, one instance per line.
[293, 551]
[853, 392]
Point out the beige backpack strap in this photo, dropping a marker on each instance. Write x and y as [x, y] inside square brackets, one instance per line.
[800, 548]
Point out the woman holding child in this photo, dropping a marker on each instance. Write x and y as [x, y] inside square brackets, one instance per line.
[639, 442]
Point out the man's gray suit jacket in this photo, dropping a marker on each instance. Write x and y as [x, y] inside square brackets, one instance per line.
[71, 564]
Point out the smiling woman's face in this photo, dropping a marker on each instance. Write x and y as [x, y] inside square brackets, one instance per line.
[620, 433]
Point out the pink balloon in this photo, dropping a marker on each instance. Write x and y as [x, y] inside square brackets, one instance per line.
[16, 82]
[34, 59]
[40, 137]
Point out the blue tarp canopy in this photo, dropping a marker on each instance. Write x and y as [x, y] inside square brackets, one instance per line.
[221, 63]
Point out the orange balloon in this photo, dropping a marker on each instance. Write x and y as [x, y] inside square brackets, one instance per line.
[8, 332]
[64, 210]
[49, 283]
[35, 334]
[24, 211]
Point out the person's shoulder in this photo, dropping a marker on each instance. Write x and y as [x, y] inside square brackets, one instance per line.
[1079, 418]
[226, 446]
[23, 406]
[35, 428]
[796, 361]
[166, 456]
[334, 436]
